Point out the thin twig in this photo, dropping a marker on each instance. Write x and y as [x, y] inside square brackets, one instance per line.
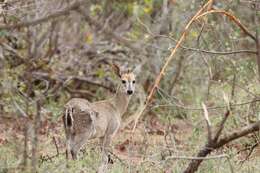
[19, 109]
[251, 149]
[209, 108]
[56, 145]
[197, 158]
[218, 52]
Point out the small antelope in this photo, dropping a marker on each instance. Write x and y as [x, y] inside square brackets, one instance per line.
[84, 120]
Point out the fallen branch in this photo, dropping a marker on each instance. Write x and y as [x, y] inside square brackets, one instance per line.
[217, 143]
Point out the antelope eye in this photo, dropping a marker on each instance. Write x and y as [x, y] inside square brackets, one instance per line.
[123, 81]
[133, 81]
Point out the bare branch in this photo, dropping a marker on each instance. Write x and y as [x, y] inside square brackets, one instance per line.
[233, 18]
[35, 141]
[218, 52]
[168, 60]
[56, 145]
[63, 12]
[60, 77]
[206, 115]
[239, 133]
[109, 32]
[221, 127]
[200, 109]
[208, 148]
[19, 109]
[197, 158]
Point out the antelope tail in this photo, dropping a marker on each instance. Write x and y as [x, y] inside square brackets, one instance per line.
[68, 119]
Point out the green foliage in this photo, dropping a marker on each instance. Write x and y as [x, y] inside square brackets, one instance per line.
[3, 33]
[84, 50]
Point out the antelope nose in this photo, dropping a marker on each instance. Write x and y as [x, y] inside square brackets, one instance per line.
[129, 92]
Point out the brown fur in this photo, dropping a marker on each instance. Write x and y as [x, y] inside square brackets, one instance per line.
[96, 120]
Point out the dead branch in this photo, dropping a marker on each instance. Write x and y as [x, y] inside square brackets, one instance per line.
[56, 145]
[198, 15]
[57, 14]
[257, 41]
[168, 60]
[45, 158]
[251, 149]
[239, 133]
[206, 115]
[37, 120]
[195, 49]
[79, 91]
[221, 127]
[25, 151]
[209, 108]
[177, 75]
[109, 32]
[217, 143]
[232, 18]
[61, 77]
[218, 52]
[197, 158]
[162, 72]
[21, 111]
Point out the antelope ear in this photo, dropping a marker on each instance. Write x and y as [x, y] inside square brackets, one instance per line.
[116, 70]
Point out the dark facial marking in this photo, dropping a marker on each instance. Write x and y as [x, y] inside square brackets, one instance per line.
[129, 92]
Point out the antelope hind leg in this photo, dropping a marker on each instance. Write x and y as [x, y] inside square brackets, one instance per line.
[105, 145]
[78, 142]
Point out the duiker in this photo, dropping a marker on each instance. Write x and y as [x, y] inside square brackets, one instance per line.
[84, 120]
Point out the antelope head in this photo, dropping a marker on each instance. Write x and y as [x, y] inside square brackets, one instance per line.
[127, 80]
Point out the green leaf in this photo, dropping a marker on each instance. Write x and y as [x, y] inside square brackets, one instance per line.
[100, 73]
[3, 33]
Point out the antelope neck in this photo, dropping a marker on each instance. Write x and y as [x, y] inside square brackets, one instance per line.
[120, 101]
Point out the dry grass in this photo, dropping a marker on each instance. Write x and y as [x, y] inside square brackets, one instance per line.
[150, 150]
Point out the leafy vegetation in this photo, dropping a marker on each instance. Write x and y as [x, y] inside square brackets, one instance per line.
[51, 51]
